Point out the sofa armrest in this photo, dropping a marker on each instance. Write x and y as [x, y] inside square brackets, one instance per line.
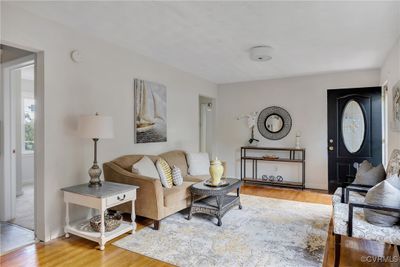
[150, 196]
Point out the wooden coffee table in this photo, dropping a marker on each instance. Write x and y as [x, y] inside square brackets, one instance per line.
[217, 201]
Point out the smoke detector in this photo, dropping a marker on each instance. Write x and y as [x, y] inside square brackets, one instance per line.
[261, 53]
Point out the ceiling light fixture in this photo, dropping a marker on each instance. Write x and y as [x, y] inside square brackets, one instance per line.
[261, 53]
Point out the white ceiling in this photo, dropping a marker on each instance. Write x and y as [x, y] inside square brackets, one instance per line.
[211, 39]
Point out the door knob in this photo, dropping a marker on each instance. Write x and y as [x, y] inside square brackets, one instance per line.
[13, 151]
[331, 148]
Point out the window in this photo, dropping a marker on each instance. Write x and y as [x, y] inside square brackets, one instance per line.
[28, 105]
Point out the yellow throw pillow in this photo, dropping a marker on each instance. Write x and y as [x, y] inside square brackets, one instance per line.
[165, 173]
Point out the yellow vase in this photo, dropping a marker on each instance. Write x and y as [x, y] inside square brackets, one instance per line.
[216, 171]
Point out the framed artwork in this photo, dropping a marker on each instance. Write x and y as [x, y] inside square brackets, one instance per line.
[150, 112]
[396, 106]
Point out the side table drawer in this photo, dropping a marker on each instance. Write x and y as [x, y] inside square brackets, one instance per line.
[120, 198]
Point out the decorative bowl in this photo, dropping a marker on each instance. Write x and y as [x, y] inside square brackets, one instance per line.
[222, 183]
[111, 222]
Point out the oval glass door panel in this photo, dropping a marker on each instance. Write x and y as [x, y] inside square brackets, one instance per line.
[353, 126]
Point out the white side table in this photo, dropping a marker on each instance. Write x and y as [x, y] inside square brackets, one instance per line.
[100, 198]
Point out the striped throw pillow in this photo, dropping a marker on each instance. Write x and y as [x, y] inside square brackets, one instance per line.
[177, 175]
[165, 173]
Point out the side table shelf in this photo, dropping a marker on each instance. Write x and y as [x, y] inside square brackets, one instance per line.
[291, 158]
[82, 228]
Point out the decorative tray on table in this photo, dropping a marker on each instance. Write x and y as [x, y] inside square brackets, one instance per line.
[223, 183]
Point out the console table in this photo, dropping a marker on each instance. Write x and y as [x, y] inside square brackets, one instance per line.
[294, 155]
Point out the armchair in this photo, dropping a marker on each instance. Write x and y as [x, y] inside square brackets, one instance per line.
[348, 214]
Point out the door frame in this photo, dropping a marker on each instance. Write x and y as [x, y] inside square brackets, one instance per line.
[10, 137]
[385, 123]
[209, 128]
[42, 232]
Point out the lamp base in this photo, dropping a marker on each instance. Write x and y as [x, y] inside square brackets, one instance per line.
[94, 173]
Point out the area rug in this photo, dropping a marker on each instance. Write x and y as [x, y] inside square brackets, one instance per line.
[266, 232]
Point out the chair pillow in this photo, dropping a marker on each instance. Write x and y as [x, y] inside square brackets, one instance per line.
[364, 166]
[165, 173]
[369, 175]
[383, 194]
[145, 167]
[199, 163]
[394, 180]
[177, 176]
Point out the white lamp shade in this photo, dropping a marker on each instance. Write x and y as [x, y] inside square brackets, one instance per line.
[96, 126]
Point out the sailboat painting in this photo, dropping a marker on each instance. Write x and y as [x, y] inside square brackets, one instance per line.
[150, 112]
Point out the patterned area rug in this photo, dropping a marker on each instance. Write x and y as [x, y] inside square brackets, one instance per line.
[266, 232]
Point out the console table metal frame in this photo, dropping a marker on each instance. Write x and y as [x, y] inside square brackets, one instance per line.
[217, 201]
[244, 156]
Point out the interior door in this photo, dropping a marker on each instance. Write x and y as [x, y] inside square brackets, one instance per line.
[354, 132]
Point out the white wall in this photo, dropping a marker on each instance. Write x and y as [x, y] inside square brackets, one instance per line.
[305, 98]
[390, 73]
[103, 82]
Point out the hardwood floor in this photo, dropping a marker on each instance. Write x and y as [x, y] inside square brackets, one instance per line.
[76, 251]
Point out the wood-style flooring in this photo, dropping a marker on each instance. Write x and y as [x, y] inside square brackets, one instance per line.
[77, 251]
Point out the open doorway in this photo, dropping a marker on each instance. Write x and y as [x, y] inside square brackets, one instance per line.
[207, 121]
[17, 116]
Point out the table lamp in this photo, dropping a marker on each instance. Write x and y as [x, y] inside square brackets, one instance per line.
[95, 127]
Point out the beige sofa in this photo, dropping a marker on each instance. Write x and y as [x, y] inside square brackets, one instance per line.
[153, 200]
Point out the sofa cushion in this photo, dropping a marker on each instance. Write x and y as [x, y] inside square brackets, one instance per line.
[126, 162]
[176, 194]
[165, 173]
[199, 163]
[368, 175]
[177, 158]
[145, 167]
[383, 194]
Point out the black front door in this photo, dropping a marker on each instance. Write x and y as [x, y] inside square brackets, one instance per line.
[354, 132]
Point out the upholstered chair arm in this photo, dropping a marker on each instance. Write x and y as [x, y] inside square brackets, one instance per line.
[354, 189]
[346, 185]
[365, 206]
[150, 196]
[361, 185]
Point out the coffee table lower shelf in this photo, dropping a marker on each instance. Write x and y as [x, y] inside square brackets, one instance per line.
[215, 206]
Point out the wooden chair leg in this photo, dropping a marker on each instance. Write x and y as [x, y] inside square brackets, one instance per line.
[337, 249]
[157, 225]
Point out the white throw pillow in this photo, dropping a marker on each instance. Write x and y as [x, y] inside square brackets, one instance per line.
[199, 163]
[146, 167]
